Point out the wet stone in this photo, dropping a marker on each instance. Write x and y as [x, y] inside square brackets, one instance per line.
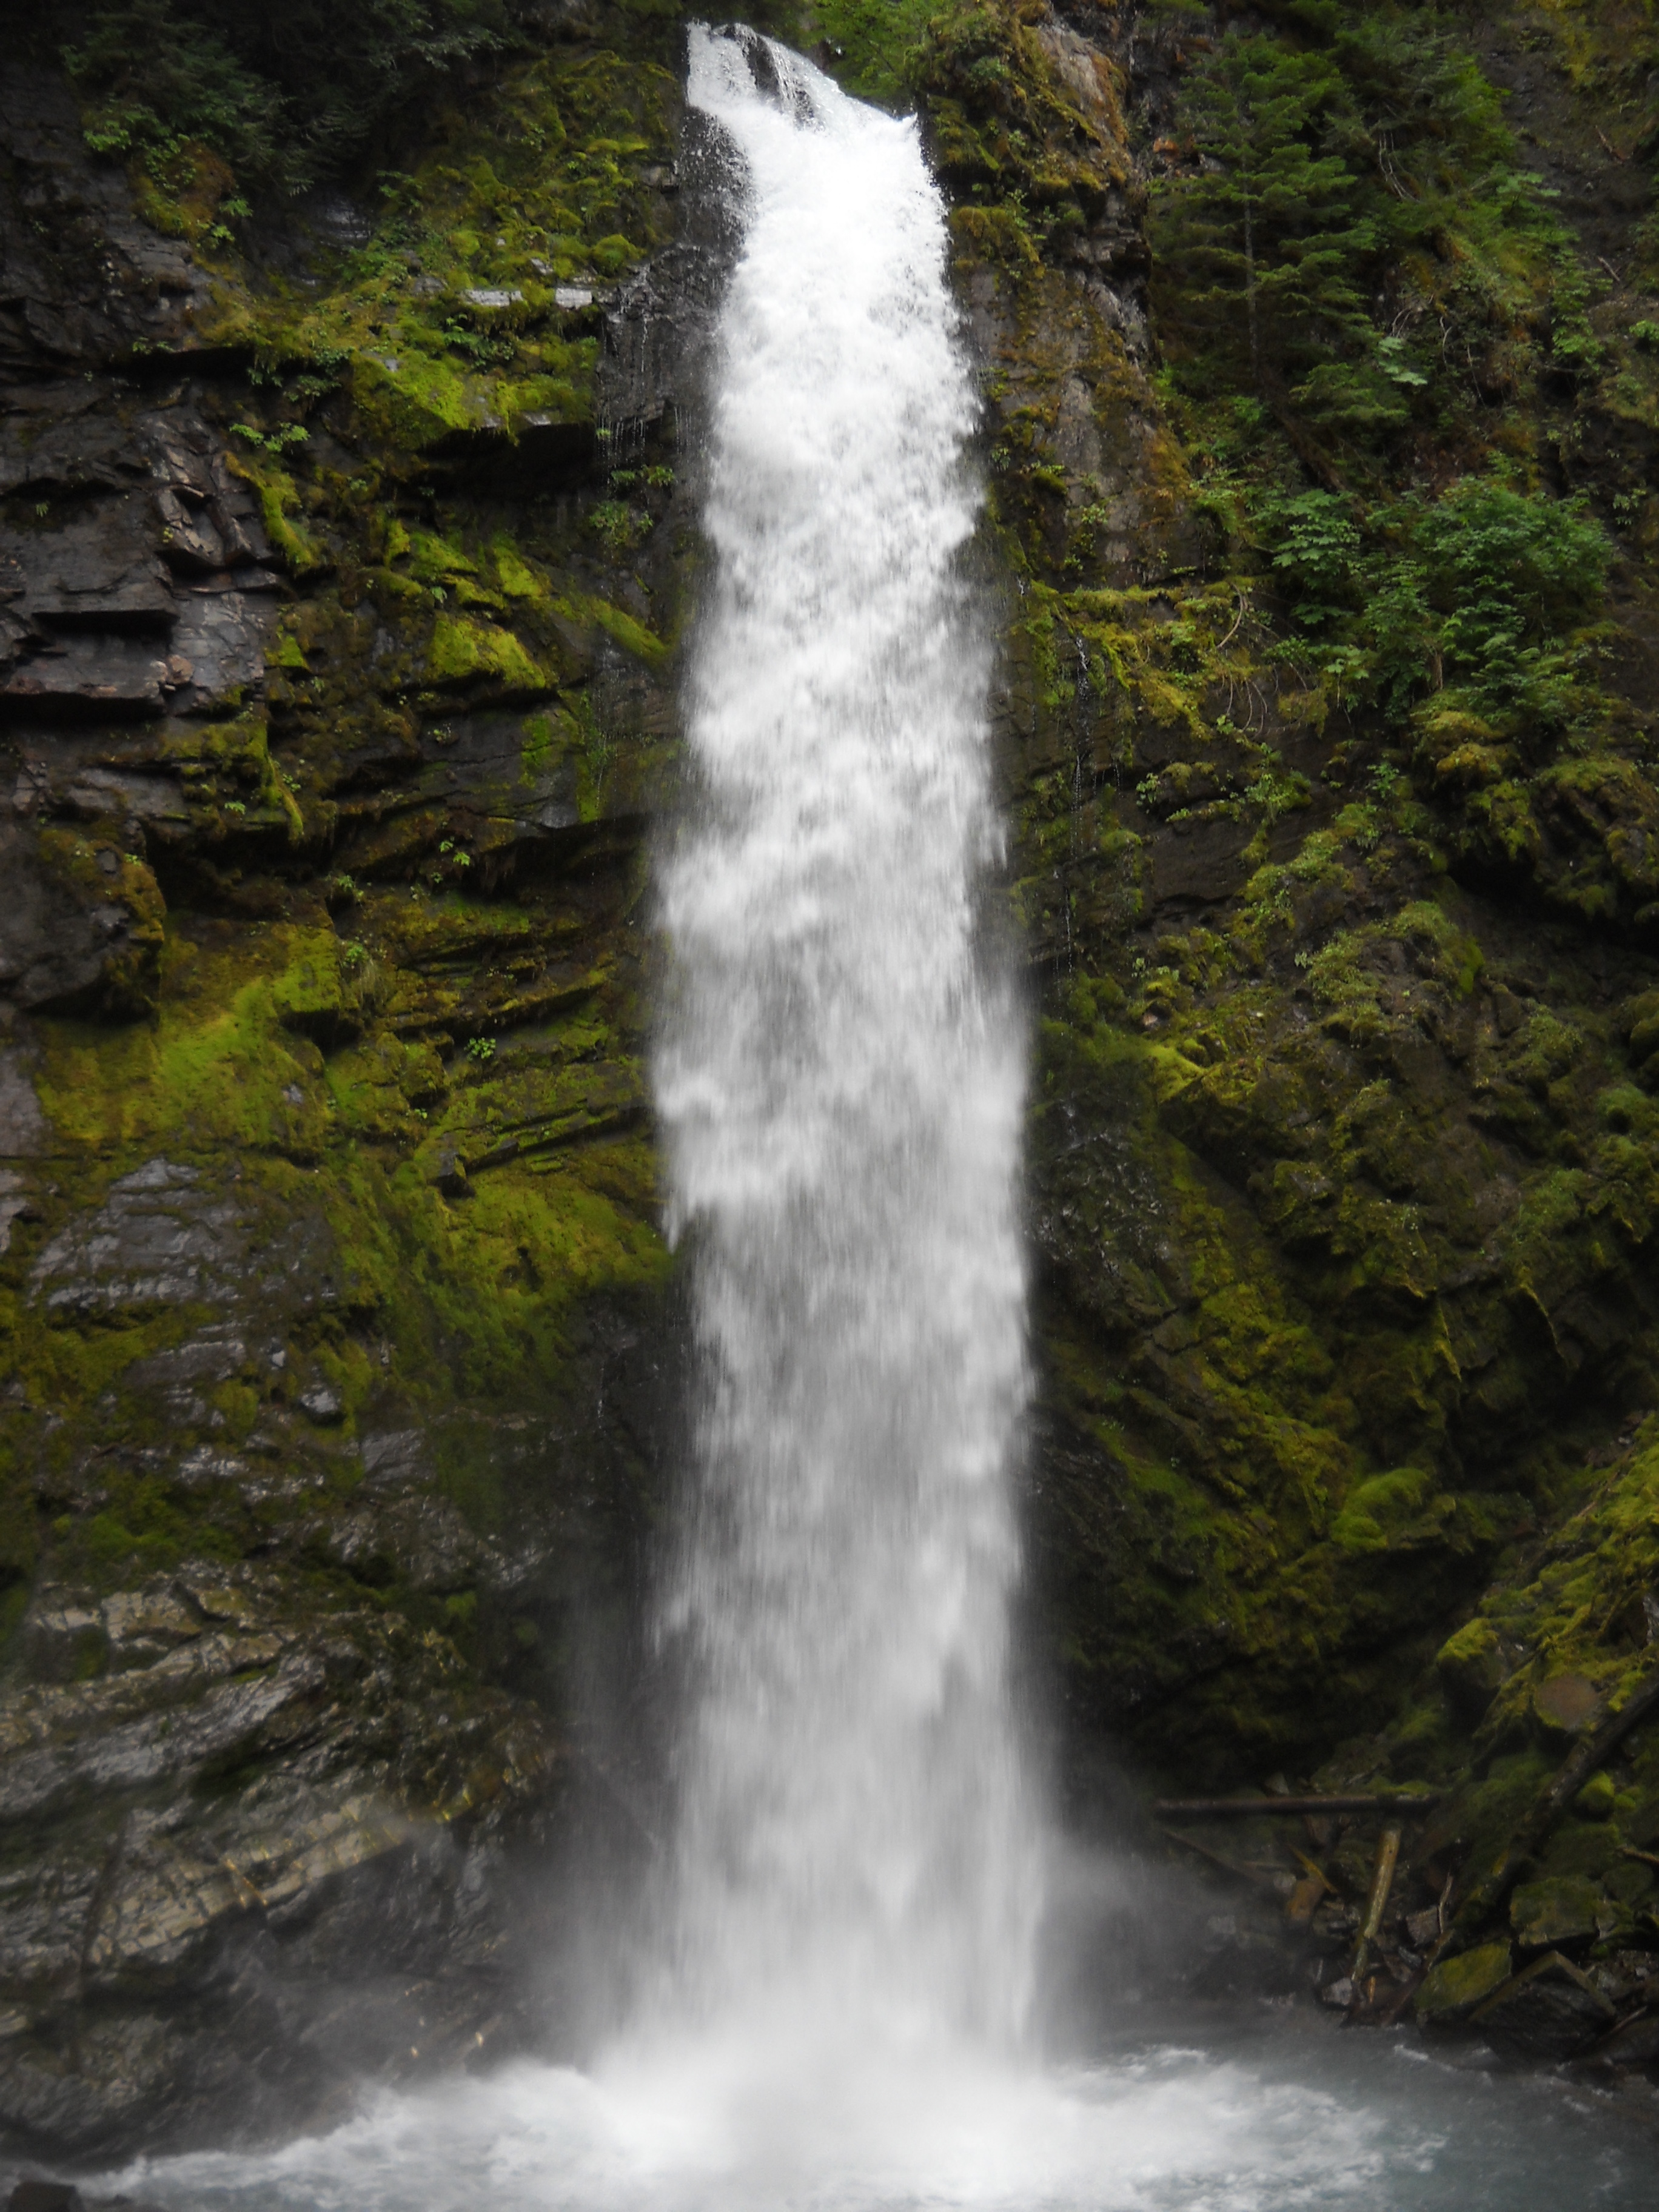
[142, 1626]
[158, 1239]
[22, 1125]
[1549, 2011]
[1545, 1913]
[63, 945]
[1633, 2043]
[1566, 1702]
[46, 2196]
[64, 1637]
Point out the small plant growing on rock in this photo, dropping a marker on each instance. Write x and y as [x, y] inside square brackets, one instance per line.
[272, 441]
[481, 1048]
[620, 526]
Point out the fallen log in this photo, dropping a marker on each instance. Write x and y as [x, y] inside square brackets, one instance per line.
[1237, 1808]
[1387, 1857]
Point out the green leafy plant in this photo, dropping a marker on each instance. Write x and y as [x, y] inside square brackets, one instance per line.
[278, 441]
[483, 350]
[621, 527]
[1483, 589]
[285, 103]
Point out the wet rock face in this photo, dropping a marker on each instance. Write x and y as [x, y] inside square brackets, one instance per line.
[341, 1366]
[1343, 1208]
[344, 1358]
[132, 583]
[86, 279]
[283, 1811]
[1308, 1075]
[132, 594]
[258, 1799]
[305, 1910]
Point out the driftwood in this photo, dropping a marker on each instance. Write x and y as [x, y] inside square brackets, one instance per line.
[1238, 1809]
[1387, 1857]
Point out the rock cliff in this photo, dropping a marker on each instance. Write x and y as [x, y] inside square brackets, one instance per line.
[347, 538]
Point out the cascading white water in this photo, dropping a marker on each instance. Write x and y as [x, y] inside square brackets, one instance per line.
[857, 1874]
[839, 1084]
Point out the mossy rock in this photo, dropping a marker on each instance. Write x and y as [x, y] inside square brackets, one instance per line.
[1453, 1989]
[1473, 1667]
[1565, 1909]
[1598, 1800]
[488, 663]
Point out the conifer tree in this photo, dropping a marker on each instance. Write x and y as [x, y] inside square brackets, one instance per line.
[1266, 236]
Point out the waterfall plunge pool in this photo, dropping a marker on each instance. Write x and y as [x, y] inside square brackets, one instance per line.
[1256, 2109]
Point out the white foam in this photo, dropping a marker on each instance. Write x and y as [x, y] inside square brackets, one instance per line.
[703, 2135]
[840, 1083]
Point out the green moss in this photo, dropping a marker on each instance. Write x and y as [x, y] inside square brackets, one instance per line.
[631, 634]
[1388, 1510]
[279, 501]
[1546, 1913]
[1455, 1986]
[471, 653]
[1597, 1799]
[220, 1061]
[517, 579]
[433, 560]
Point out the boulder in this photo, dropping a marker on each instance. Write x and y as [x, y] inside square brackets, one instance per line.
[1472, 1666]
[1549, 2011]
[1452, 1989]
[46, 2196]
[1566, 1703]
[1632, 2043]
[80, 927]
[1561, 1911]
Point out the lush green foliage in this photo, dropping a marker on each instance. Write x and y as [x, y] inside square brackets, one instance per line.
[1380, 335]
[873, 42]
[284, 95]
[1267, 234]
[1482, 588]
[1349, 203]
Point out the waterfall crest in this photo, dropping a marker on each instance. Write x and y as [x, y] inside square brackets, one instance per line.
[840, 1079]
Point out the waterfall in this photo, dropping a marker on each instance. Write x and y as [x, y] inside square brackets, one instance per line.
[855, 1883]
[839, 1080]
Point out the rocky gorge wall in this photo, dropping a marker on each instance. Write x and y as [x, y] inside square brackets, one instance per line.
[348, 543]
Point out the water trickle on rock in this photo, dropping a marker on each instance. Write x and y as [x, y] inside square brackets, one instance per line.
[839, 1079]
